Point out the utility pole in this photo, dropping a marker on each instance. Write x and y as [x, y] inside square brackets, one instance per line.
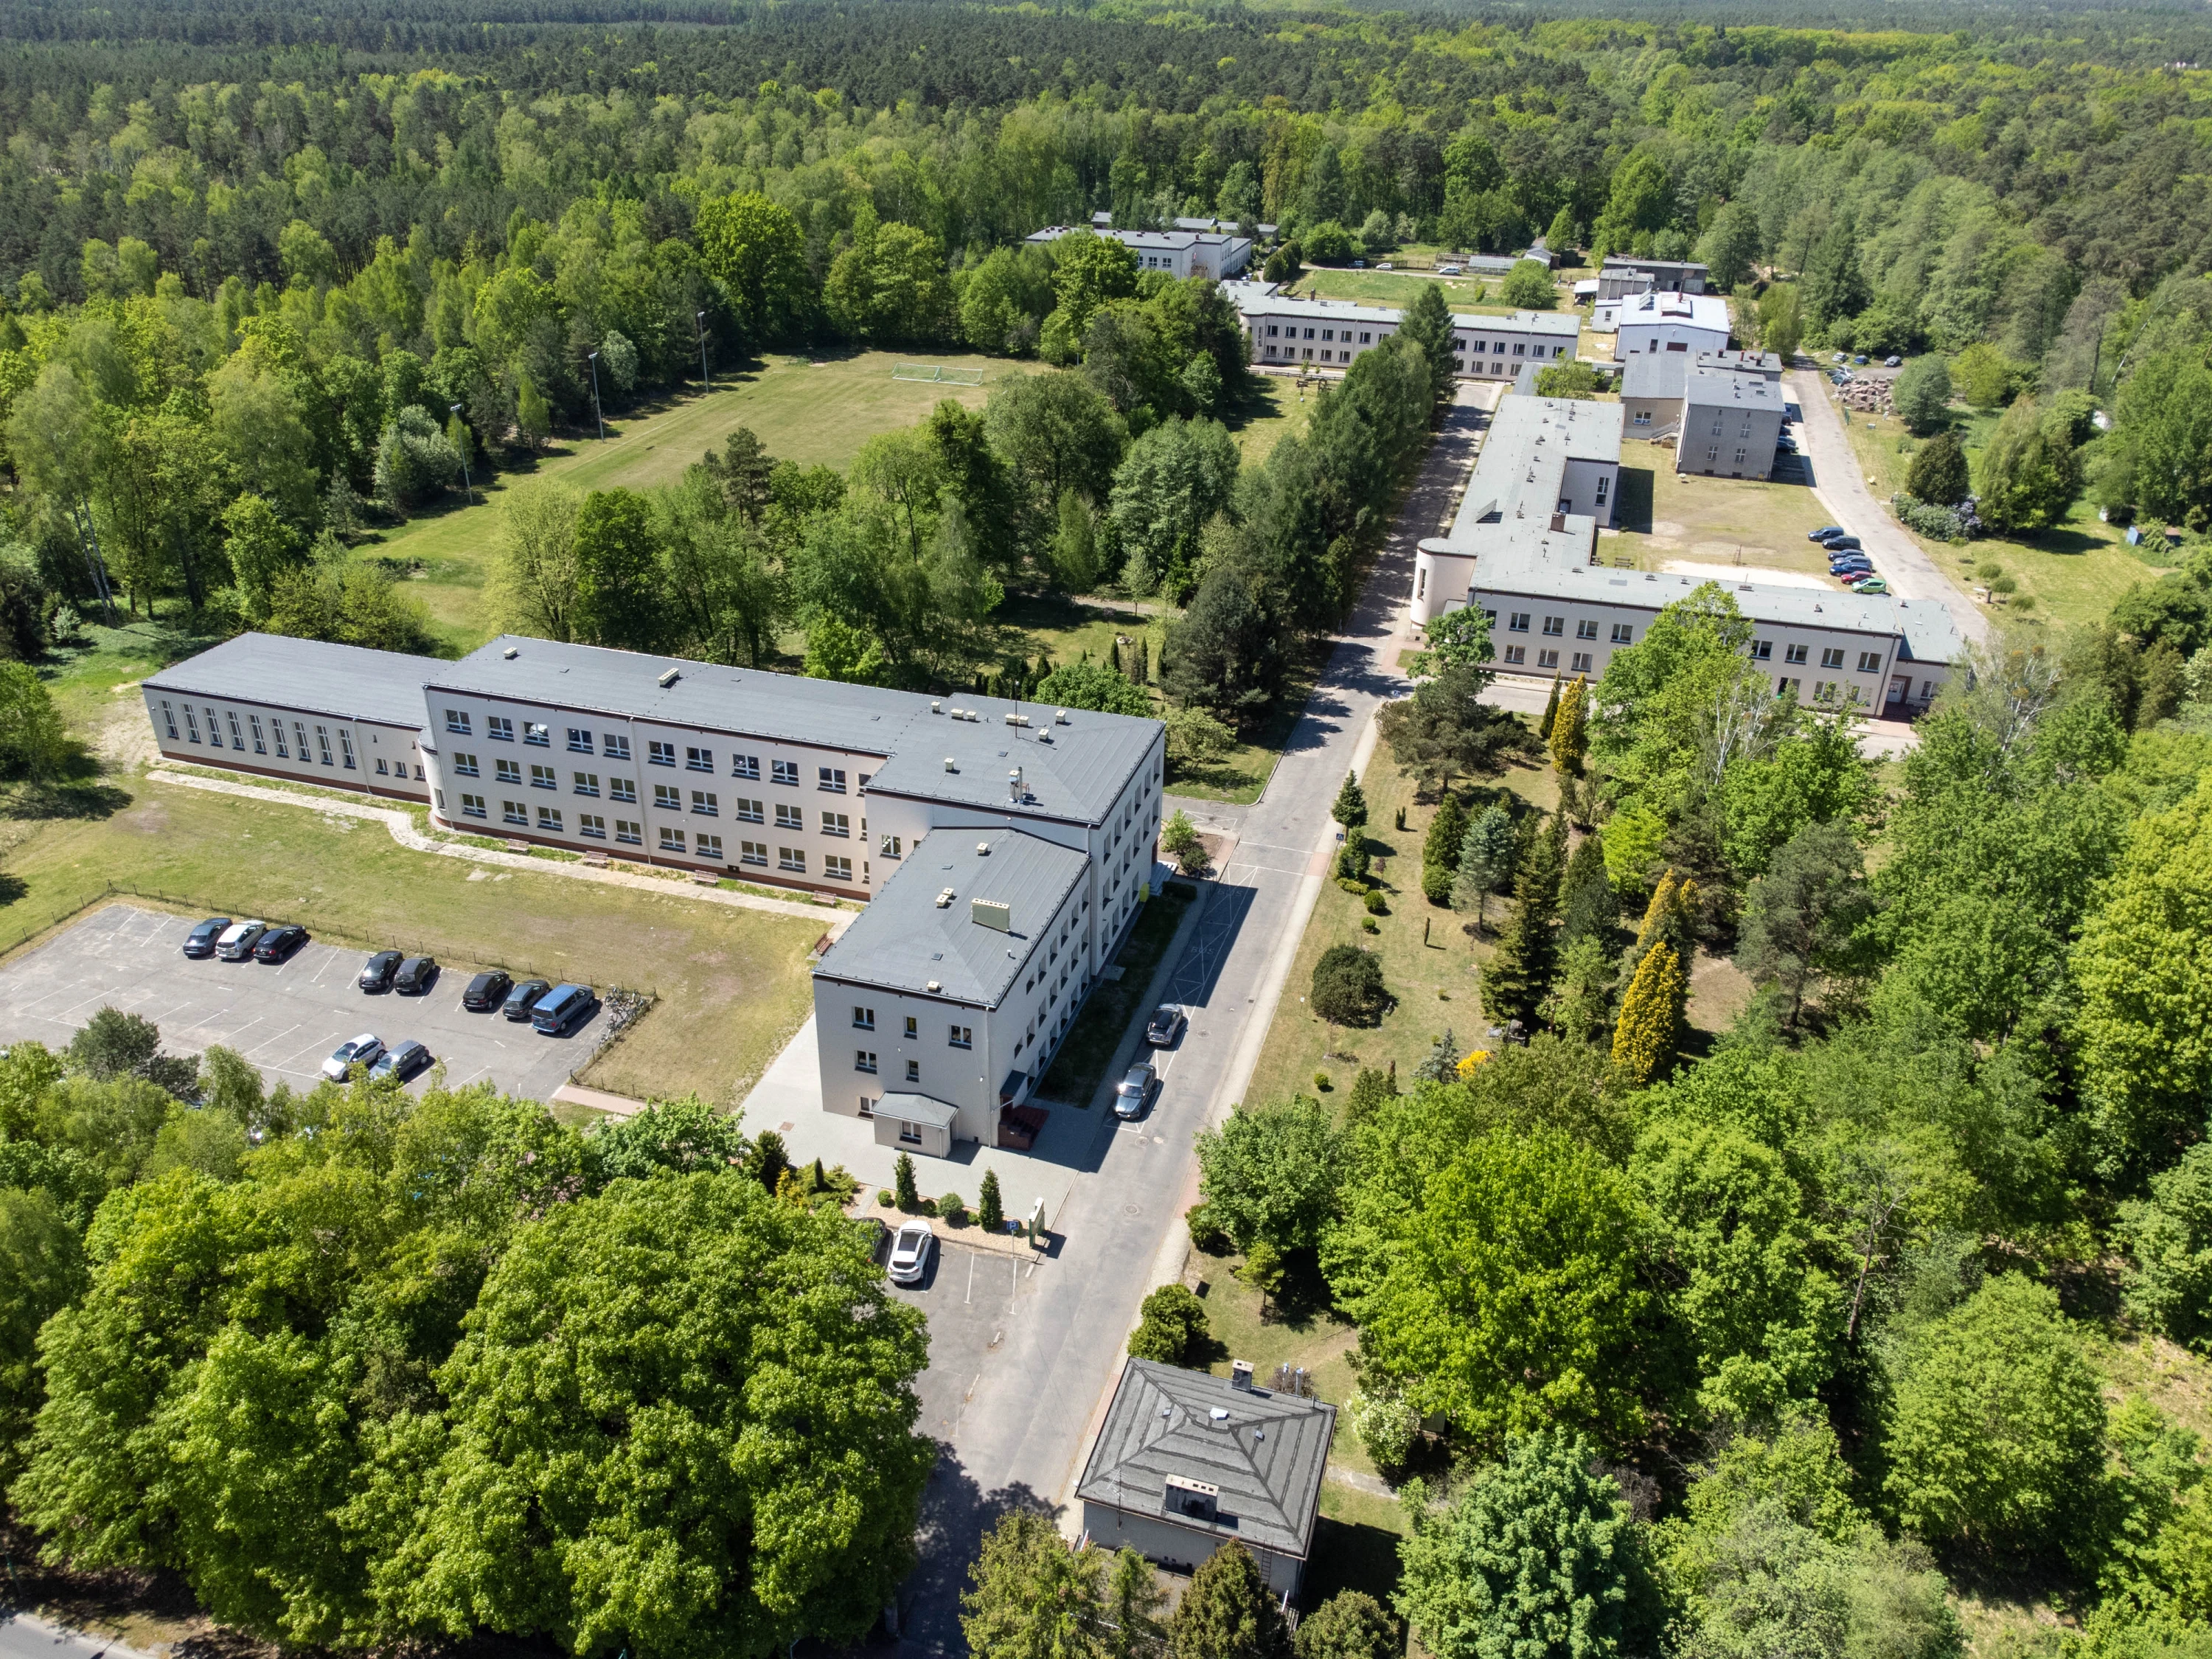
[592, 358]
[468, 485]
[699, 326]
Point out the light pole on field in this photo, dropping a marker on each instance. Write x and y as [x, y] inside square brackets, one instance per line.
[468, 485]
[699, 322]
[592, 358]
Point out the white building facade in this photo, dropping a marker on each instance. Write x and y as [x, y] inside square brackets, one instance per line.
[1221, 255]
[1329, 334]
[1673, 322]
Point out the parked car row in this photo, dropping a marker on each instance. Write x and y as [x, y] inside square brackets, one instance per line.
[1847, 560]
[403, 1060]
[236, 941]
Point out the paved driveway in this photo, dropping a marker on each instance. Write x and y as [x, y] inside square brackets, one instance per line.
[1843, 490]
[285, 1018]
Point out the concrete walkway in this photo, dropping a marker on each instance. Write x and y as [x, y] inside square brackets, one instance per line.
[1842, 488]
[401, 825]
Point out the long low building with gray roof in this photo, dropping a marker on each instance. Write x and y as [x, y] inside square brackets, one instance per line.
[804, 783]
[1524, 546]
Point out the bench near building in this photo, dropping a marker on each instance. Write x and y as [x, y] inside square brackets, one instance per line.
[1186, 1463]
[1523, 547]
[804, 783]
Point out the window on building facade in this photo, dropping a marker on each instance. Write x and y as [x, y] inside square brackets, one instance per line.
[891, 847]
[579, 740]
[1554, 626]
[1582, 662]
[1516, 654]
[837, 869]
[657, 753]
[667, 797]
[1586, 628]
[704, 803]
[508, 771]
[1547, 660]
[791, 858]
[587, 783]
[1869, 662]
[499, 726]
[1623, 633]
[622, 789]
[699, 760]
[629, 831]
[457, 722]
[864, 1059]
[789, 817]
[752, 851]
[535, 732]
[836, 824]
[544, 777]
[614, 745]
[784, 771]
[671, 840]
[472, 806]
[1831, 656]
[1793, 653]
[710, 848]
[591, 824]
[750, 810]
[259, 746]
[514, 812]
[548, 818]
[1518, 623]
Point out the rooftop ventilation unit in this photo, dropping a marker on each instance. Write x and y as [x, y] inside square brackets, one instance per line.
[933, 986]
[983, 849]
[992, 913]
[1197, 1500]
[936, 708]
[669, 676]
[952, 765]
[1060, 718]
[944, 897]
[510, 653]
[1014, 789]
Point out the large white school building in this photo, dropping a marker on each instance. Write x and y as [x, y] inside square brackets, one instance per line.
[1328, 334]
[1005, 847]
[1524, 546]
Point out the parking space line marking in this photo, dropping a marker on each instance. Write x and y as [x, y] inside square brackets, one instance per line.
[279, 1038]
[970, 1297]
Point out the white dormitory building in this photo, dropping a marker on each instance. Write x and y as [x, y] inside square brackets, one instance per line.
[1286, 332]
[1523, 547]
[1221, 255]
[1005, 847]
[1671, 322]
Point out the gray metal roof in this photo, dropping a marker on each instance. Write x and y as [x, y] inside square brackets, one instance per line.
[1842, 611]
[347, 682]
[1710, 385]
[903, 941]
[1076, 771]
[904, 1108]
[1655, 374]
[1267, 1457]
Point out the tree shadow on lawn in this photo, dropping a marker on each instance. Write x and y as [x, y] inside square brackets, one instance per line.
[1631, 501]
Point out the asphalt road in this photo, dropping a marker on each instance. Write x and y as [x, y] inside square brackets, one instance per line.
[1023, 1423]
[1842, 486]
[24, 1637]
[286, 1018]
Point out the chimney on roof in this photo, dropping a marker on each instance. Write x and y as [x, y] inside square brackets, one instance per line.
[1558, 521]
[1240, 1374]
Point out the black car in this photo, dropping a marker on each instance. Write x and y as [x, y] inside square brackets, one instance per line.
[200, 942]
[278, 943]
[486, 992]
[377, 974]
[416, 975]
[522, 1001]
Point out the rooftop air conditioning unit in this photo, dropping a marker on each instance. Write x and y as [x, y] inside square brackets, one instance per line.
[983, 849]
[993, 913]
[669, 676]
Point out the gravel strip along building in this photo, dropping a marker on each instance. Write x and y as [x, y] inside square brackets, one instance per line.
[1052, 815]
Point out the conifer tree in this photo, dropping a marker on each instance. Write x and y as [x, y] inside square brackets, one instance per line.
[1588, 908]
[1650, 1016]
[1227, 1612]
[1551, 712]
[1568, 737]
[1350, 809]
[1440, 850]
[990, 1207]
[1514, 982]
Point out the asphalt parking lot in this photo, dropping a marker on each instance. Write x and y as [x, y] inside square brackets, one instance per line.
[285, 1017]
[973, 1298]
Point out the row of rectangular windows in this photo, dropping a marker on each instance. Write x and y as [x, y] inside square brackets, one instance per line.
[1761, 650]
[274, 734]
[961, 1037]
[666, 797]
[1366, 335]
[614, 746]
[631, 833]
[1518, 623]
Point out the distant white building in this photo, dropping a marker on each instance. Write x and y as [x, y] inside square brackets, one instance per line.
[1330, 333]
[1218, 254]
[1671, 322]
[1523, 547]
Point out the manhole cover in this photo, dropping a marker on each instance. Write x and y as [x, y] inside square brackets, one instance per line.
[1133, 1209]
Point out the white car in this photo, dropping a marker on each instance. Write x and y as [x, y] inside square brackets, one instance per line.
[910, 1253]
[364, 1050]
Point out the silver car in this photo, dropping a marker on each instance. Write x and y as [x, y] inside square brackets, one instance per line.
[1166, 1025]
[1131, 1093]
[910, 1253]
[364, 1050]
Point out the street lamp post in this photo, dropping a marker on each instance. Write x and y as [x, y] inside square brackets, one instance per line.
[468, 485]
[592, 358]
[699, 324]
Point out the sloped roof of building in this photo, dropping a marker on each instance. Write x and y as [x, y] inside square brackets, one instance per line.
[1073, 771]
[1653, 375]
[1714, 384]
[346, 682]
[1707, 311]
[905, 941]
[1564, 324]
[1267, 1454]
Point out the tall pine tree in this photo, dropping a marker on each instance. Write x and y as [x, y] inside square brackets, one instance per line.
[1588, 908]
[1428, 323]
[1519, 975]
[1651, 1016]
[1440, 849]
[1350, 808]
[1551, 712]
[1568, 737]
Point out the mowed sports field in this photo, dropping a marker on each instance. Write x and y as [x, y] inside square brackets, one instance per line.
[814, 411]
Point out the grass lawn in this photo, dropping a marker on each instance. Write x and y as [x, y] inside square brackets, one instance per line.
[1399, 288]
[1080, 1066]
[1669, 518]
[732, 984]
[2072, 572]
[1275, 405]
[809, 410]
[1355, 1545]
[1430, 963]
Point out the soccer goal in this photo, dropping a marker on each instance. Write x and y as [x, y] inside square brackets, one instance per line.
[937, 372]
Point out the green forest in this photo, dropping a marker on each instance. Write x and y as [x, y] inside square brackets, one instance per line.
[1790, 1333]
